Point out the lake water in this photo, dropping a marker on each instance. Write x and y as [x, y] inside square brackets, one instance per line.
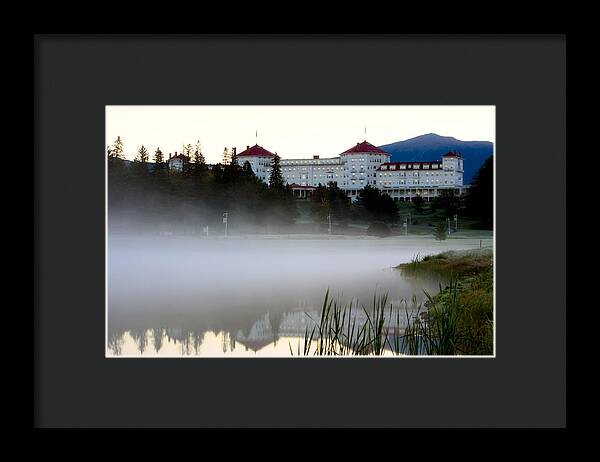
[200, 297]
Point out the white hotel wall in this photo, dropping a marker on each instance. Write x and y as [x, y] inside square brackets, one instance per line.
[354, 171]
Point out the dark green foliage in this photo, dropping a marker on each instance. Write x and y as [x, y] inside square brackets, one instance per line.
[116, 150]
[276, 178]
[142, 155]
[480, 196]
[441, 231]
[198, 165]
[373, 205]
[331, 202]
[379, 229]
[158, 156]
[418, 202]
[155, 200]
[247, 170]
[447, 201]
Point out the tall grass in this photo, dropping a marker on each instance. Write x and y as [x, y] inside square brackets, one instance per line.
[436, 335]
[458, 320]
[454, 322]
[337, 332]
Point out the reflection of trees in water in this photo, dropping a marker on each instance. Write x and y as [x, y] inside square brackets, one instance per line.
[198, 339]
[188, 330]
[224, 341]
[188, 342]
[140, 338]
[115, 342]
[157, 335]
[275, 321]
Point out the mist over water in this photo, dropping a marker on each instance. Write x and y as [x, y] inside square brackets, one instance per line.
[179, 296]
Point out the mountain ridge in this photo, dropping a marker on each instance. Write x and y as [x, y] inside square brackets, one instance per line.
[432, 146]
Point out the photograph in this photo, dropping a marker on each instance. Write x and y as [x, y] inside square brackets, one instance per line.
[300, 231]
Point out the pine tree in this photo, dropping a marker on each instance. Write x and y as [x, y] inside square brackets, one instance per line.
[276, 178]
[247, 170]
[233, 157]
[198, 157]
[117, 149]
[142, 155]
[198, 163]
[158, 157]
[187, 150]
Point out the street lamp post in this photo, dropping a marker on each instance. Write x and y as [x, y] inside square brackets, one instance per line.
[455, 223]
[225, 216]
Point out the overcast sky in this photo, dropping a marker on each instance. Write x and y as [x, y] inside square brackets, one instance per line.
[291, 131]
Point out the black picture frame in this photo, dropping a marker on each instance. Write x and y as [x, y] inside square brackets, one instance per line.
[76, 76]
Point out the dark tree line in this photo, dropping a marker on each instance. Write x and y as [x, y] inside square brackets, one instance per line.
[480, 198]
[332, 203]
[148, 197]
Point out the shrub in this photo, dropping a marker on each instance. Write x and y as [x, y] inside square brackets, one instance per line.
[378, 229]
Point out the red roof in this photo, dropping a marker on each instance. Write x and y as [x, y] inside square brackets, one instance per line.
[452, 154]
[365, 146]
[256, 151]
[179, 156]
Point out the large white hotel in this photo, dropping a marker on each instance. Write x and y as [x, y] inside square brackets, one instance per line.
[359, 166]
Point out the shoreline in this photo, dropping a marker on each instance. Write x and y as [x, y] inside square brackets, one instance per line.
[325, 237]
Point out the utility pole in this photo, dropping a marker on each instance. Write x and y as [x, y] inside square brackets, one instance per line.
[225, 216]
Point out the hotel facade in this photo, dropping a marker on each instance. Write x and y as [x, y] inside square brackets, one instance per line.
[362, 165]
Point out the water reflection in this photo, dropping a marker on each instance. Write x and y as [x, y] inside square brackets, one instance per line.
[283, 333]
[251, 298]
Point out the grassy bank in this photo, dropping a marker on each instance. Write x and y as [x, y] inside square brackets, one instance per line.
[457, 263]
[460, 317]
[456, 321]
